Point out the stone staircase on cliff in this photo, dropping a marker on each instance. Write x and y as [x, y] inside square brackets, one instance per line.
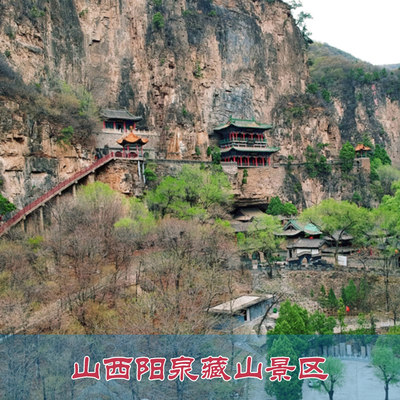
[62, 186]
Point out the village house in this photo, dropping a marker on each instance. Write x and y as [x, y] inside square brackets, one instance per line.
[243, 310]
[345, 243]
[304, 251]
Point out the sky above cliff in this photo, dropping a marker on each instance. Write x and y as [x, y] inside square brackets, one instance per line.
[367, 29]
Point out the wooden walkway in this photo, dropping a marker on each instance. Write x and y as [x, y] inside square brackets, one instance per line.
[62, 186]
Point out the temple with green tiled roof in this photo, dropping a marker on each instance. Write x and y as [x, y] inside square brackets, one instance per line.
[295, 230]
[243, 141]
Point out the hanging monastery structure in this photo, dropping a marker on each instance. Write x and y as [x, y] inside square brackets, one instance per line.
[244, 142]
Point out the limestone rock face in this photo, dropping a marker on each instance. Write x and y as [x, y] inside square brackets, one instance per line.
[123, 177]
[30, 161]
[204, 61]
[210, 60]
[369, 110]
[388, 114]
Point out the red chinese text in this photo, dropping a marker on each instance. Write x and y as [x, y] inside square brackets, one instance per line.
[118, 367]
[214, 367]
[247, 373]
[182, 366]
[309, 368]
[279, 368]
[86, 373]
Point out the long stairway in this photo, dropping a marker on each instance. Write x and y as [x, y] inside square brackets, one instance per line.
[54, 192]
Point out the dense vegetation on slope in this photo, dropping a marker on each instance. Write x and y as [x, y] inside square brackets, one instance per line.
[337, 74]
[70, 114]
[181, 258]
[340, 72]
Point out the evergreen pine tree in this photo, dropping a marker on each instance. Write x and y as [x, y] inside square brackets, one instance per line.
[332, 300]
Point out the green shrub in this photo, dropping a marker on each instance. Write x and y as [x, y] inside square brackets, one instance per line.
[347, 155]
[311, 162]
[83, 13]
[276, 207]
[215, 153]
[150, 174]
[158, 20]
[326, 95]
[212, 13]
[312, 88]
[66, 134]
[191, 194]
[188, 13]
[9, 31]
[35, 242]
[381, 153]
[332, 301]
[36, 13]
[289, 209]
[5, 206]
[356, 198]
[323, 168]
[297, 111]
[197, 71]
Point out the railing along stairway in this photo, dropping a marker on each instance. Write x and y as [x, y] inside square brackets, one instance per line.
[21, 214]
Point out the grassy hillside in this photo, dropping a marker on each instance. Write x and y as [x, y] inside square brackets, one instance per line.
[336, 74]
[340, 73]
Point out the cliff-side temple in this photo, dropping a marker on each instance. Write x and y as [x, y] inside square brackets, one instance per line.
[119, 125]
[243, 142]
[118, 121]
[132, 145]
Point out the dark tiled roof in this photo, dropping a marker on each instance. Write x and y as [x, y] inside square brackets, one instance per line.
[251, 212]
[251, 149]
[288, 233]
[240, 226]
[345, 236]
[307, 244]
[245, 226]
[243, 123]
[119, 114]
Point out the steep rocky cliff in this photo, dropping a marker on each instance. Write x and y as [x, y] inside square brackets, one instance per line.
[184, 65]
[366, 97]
[30, 161]
[202, 63]
[210, 59]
